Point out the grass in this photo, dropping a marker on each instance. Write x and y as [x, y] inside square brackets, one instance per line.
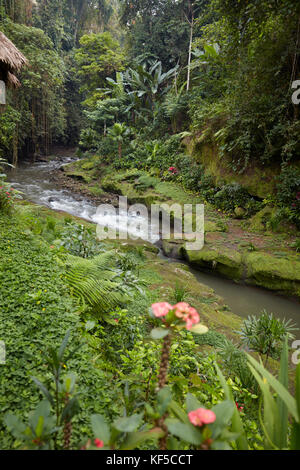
[35, 312]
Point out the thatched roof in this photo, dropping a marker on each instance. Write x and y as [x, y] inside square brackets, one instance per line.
[12, 80]
[10, 55]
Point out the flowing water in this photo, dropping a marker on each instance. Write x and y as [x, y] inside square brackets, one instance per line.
[37, 187]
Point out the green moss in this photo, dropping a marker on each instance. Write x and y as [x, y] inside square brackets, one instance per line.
[260, 181]
[215, 226]
[273, 273]
[226, 262]
[257, 223]
[96, 190]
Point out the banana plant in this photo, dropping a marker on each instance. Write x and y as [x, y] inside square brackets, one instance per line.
[148, 83]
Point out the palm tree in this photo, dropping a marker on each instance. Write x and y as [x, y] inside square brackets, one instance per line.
[117, 133]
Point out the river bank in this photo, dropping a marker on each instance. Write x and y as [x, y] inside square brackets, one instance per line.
[36, 181]
[241, 250]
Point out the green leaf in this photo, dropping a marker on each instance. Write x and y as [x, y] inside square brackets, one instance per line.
[298, 388]
[164, 397]
[237, 424]
[100, 428]
[44, 390]
[69, 411]
[192, 403]
[134, 439]
[64, 345]
[129, 424]
[179, 412]
[295, 438]
[40, 426]
[14, 425]
[186, 432]
[224, 412]
[199, 329]
[278, 387]
[159, 333]
[90, 325]
[271, 417]
[40, 420]
[281, 433]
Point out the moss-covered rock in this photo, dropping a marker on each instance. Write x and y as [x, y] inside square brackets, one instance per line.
[273, 273]
[260, 181]
[258, 222]
[173, 248]
[225, 262]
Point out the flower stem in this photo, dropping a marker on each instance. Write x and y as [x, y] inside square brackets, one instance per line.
[162, 379]
[164, 362]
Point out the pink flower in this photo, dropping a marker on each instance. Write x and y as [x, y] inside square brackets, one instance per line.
[173, 170]
[239, 408]
[202, 416]
[187, 313]
[161, 309]
[98, 443]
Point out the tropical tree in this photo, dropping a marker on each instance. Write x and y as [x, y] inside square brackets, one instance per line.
[98, 57]
[117, 133]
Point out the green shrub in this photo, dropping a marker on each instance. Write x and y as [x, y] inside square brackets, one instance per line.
[234, 195]
[288, 192]
[265, 334]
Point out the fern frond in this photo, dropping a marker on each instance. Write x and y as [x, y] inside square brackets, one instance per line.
[91, 281]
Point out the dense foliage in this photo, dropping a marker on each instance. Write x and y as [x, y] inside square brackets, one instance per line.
[169, 91]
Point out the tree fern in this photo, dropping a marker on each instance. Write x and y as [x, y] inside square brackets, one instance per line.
[91, 281]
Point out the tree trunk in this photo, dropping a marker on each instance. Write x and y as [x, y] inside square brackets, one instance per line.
[15, 147]
[190, 50]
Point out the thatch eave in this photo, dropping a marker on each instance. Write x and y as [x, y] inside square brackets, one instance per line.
[10, 55]
[12, 81]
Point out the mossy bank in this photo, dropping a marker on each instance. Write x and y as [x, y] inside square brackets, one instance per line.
[242, 250]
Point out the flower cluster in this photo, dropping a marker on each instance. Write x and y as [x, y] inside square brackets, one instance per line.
[182, 311]
[98, 443]
[6, 198]
[239, 408]
[173, 170]
[201, 416]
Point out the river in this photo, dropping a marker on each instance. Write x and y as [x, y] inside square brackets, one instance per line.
[34, 182]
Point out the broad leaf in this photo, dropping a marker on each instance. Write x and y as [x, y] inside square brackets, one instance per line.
[186, 432]
[129, 424]
[100, 428]
[159, 333]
